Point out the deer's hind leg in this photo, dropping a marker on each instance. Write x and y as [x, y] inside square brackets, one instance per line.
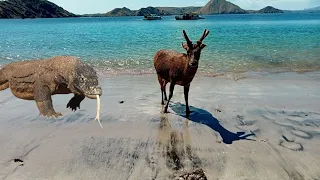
[163, 83]
[164, 89]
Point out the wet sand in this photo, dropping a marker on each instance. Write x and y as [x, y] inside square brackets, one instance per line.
[258, 127]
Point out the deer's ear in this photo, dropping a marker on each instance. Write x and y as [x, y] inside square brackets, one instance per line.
[185, 46]
[202, 46]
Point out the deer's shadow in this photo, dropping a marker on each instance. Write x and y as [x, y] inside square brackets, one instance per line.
[204, 117]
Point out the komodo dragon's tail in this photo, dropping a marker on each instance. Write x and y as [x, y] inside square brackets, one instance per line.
[4, 83]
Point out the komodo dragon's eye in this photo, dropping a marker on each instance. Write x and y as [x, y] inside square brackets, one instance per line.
[82, 79]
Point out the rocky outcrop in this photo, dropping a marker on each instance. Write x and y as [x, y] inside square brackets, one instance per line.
[269, 9]
[221, 7]
[121, 12]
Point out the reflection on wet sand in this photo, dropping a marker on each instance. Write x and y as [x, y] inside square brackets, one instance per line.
[176, 148]
[174, 145]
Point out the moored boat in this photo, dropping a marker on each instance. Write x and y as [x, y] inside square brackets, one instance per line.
[152, 17]
[189, 16]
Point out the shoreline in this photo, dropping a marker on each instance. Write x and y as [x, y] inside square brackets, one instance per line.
[227, 75]
[236, 75]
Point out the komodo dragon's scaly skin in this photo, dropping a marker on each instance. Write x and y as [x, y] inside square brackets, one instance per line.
[39, 79]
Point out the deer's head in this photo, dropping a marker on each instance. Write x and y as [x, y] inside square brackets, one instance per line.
[194, 50]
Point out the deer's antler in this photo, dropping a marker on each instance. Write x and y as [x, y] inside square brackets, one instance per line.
[204, 35]
[187, 38]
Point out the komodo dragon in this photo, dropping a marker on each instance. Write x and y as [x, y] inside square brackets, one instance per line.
[39, 79]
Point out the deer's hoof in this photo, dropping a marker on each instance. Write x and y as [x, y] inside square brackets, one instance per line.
[188, 113]
[165, 110]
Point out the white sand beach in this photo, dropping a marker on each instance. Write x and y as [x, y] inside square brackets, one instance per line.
[262, 127]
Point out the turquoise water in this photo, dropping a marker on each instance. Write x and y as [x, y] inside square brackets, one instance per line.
[237, 43]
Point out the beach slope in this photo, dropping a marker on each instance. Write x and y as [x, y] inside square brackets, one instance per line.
[259, 127]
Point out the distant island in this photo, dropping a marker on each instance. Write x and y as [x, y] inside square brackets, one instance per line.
[162, 11]
[268, 9]
[46, 9]
[212, 7]
[32, 9]
[309, 10]
[312, 10]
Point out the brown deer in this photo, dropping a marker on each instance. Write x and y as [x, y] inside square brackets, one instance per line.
[178, 68]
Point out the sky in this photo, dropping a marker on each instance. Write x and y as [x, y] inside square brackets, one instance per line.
[102, 6]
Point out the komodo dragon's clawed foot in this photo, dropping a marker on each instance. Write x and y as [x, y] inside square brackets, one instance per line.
[73, 107]
[46, 109]
[53, 115]
[74, 103]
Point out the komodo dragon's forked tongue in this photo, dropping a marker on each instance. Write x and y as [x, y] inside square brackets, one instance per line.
[98, 111]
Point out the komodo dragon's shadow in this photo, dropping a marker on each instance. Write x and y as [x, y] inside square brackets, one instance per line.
[204, 117]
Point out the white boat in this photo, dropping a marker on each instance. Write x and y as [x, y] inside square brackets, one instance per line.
[152, 17]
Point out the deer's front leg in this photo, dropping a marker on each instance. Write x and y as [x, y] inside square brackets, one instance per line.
[172, 84]
[186, 95]
[42, 96]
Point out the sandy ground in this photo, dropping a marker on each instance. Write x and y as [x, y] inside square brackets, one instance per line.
[260, 127]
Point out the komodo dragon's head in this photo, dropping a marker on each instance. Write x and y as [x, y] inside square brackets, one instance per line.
[85, 81]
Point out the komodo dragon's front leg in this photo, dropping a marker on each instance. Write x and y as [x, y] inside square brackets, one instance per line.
[42, 96]
[74, 102]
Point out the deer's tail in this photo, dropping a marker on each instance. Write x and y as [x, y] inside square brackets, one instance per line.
[4, 83]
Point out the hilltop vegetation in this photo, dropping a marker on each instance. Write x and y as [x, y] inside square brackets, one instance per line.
[32, 9]
[221, 7]
[120, 12]
[179, 10]
[163, 11]
[150, 10]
